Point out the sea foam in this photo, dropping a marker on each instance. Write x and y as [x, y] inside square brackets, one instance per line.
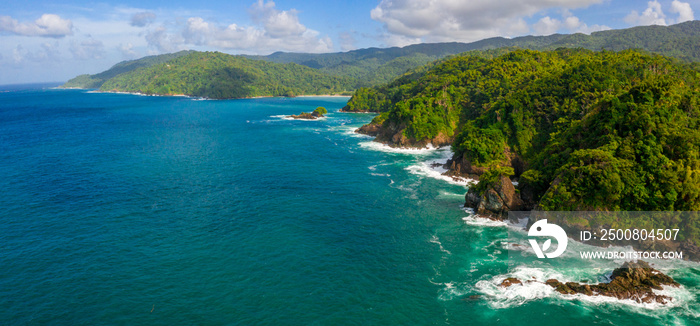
[434, 168]
[376, 146]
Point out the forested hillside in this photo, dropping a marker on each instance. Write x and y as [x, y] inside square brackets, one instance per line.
[218, 75]
[96, 80]
[581, 130]
[376, 66]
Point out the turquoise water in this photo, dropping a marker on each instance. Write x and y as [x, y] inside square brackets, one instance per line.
[133, 210]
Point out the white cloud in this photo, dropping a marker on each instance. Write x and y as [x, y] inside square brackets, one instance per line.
[163, 41]
[197, 31]
[142, 19]
[277, 23]
[46, 52]
[347, 41]
[457, 20]
[89, 48]
[274, 30]
[653, 15]
[547, 26]
[685, 13]
[127, 50]
[48, 25]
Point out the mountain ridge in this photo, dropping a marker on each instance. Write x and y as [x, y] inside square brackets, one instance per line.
[376, 66]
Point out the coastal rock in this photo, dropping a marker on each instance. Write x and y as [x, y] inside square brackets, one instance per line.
[306, 116]
[632, 281]
[511, 281]
[461, 166]
[370, 129]
[496, 201]
[392, 134]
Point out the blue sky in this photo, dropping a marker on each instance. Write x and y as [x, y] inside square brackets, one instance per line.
[54, 41]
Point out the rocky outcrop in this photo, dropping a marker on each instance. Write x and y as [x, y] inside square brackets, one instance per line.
[461, 166]
[391, 133]
[510, 282]
[496, 201]
[307, 116]
[633, 281]
[370, 129]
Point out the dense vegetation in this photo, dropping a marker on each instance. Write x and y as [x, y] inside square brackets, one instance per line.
[596, 130]
[96, 80]
[219, 75]
[375, 66]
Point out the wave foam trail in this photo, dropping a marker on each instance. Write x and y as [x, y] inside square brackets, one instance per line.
[435, 169]
[482, 221]
[376, 146]
[282, 116]
[351, 131]
[287, 117]
[434, 239]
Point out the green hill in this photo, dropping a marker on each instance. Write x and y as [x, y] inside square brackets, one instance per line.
[376, 66]
[595, 130]
[581, 130]
[96, 80]
[218, 75]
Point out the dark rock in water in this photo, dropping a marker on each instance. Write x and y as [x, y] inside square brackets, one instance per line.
[371, 129]
[473, 297]
[307, 116]
[511, 281]
[496, 201]
[633, 281]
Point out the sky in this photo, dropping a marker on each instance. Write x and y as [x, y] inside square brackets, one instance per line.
[53, 41]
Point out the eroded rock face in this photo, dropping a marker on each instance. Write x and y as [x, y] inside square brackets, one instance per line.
[369, 129]
[462, 167]
[392, 134]
[496, 201]
[633, 281]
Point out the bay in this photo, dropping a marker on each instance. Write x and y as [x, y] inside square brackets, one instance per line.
[126, 209]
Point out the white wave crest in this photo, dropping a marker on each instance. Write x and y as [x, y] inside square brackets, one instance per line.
[351, 131]
[434, 239]
[435, 169]
[376, 146]
[287, 117]
[482, 221]
[282, 116]
[533, 287]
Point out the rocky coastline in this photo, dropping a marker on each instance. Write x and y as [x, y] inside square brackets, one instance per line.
[392, 134]
[633, 281]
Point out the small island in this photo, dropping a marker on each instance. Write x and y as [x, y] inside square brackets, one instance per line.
[318, 113]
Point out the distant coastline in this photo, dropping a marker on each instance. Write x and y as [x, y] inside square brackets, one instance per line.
[92, 90]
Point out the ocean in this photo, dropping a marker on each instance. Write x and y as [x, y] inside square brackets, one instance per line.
[121, 209]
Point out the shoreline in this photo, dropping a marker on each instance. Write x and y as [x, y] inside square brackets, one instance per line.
[93, 90]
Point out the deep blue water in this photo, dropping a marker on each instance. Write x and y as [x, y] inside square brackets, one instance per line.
[132, 210]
